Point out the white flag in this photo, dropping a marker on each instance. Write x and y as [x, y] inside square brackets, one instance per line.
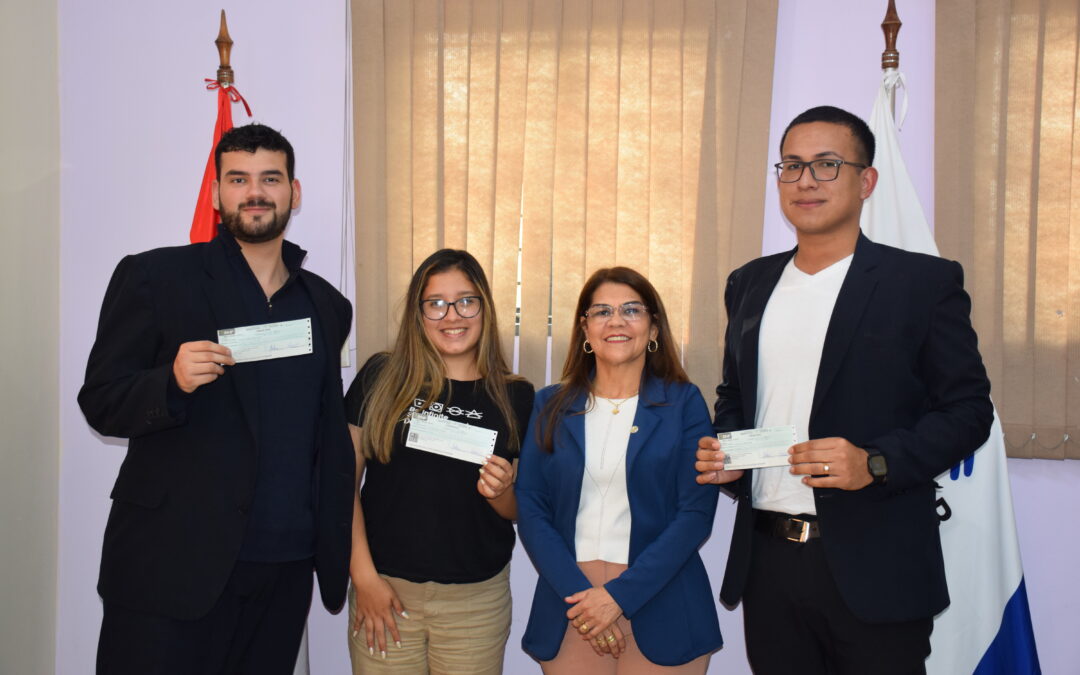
[987, 628]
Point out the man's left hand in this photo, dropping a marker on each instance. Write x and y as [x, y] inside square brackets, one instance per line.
[830, 463]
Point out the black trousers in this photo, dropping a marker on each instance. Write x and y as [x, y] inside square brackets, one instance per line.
[255, 627]
[797, 623]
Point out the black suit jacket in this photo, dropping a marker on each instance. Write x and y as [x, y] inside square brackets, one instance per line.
[181, 498]
[900, 371]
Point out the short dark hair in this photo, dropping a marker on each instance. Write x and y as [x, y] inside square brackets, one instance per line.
[252, 137]
[827, 113]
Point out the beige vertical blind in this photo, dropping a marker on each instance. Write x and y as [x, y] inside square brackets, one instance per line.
[587, 133]
[1008, 204]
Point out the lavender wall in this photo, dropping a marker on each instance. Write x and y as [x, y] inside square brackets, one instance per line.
[135, 130]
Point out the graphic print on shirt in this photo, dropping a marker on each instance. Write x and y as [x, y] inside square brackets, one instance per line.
[436, 430]
[441, 410]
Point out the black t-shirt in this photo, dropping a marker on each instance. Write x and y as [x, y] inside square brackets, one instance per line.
[424, 517]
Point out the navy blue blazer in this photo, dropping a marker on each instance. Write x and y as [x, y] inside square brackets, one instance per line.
[900, 372]
[665, 592]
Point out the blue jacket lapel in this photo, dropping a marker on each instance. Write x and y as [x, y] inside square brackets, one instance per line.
[646, 420]
[653, 393]
[575, 425]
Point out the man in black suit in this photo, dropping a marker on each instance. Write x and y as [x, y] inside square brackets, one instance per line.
[869, 352]
[238, 477]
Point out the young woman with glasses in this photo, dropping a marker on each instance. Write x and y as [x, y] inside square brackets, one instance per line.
[609, 509]
[432, 537]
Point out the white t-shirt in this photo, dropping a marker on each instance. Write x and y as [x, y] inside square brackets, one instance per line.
[602, 531]
[789, 352]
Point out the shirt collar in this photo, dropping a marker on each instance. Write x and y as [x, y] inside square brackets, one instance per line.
[291, 254]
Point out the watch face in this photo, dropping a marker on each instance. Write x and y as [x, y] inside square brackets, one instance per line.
[878, 467]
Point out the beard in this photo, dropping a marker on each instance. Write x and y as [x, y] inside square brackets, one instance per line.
[263, 230]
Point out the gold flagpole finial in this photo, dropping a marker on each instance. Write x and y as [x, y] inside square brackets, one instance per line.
[224, 46]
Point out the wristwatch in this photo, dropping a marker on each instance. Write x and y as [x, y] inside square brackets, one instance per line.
[878, 467]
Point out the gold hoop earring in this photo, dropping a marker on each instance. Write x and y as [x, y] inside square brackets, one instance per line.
[585, 347]
[653, 346]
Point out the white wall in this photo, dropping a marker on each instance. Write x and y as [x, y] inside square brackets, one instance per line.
[29, 291]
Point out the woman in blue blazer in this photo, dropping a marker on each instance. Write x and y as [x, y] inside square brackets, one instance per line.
[608, 507]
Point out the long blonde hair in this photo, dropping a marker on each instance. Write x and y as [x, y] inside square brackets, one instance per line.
[415, 369]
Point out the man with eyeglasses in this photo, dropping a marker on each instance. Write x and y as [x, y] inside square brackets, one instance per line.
[868, 351]
[239, 473]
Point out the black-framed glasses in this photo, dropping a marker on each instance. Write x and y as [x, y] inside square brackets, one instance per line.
[629, 311]
[791, 171]
[466, 307]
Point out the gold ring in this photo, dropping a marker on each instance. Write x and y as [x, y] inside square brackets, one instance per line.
[611, 638]
[826, 468]
[583, 628]
[600, 642]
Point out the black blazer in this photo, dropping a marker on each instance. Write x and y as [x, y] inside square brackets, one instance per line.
[900, 371]
[182, 494]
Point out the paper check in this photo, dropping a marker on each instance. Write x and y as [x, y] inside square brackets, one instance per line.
[757, 448]
[449, 438]
[268, 340]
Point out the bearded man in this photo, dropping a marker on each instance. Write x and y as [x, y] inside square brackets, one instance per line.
[238, 478]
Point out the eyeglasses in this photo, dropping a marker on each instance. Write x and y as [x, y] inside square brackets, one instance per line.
[629, 311]
[820, 169]
[466, 307]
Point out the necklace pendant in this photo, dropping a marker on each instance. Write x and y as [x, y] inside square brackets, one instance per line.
[615, 411]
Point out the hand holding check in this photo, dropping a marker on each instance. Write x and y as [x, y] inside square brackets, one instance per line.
[496, 476]
[825, 462]
[710, 463]
[830, 463]
[198, 363]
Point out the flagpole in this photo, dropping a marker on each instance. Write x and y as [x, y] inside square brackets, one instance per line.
[890, 58]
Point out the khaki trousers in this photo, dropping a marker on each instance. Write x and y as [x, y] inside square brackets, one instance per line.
[452, 629]
[576, 657]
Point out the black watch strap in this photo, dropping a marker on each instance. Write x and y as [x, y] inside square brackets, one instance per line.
[877, 466]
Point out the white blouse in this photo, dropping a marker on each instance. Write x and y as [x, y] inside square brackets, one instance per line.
[603, 518]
